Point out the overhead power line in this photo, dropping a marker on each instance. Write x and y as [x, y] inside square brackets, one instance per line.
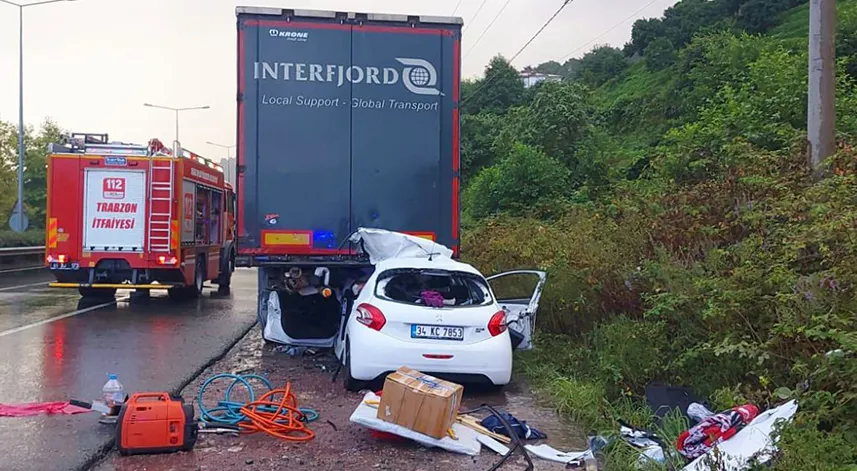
[558, 11]
[630, 17]
[524, 47]
[476, 14]
[487, 28]
[456, 7]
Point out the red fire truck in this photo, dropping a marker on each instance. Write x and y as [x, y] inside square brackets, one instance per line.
[142, 217]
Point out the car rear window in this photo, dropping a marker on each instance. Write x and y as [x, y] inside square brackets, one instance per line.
[433, 288]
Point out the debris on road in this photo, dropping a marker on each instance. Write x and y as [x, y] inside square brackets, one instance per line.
[367, 416]
[520, 427]
[350, 445]
[420, 402]
[754, 442]
[713, 430]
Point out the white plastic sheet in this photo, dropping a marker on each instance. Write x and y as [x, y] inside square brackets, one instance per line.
[466, 444]
[382, 245]
[273, 331]
[547, 452]
[753, 441]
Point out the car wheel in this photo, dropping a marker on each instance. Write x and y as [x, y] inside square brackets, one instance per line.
[350, 383]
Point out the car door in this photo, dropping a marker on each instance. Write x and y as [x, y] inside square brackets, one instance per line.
[518, 293]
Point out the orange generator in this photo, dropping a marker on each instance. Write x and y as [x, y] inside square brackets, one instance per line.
[155, 422]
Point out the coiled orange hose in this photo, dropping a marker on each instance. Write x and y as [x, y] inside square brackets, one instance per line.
[286, 422]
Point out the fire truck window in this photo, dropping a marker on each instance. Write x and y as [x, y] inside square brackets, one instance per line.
[215, 226]
[201, 218]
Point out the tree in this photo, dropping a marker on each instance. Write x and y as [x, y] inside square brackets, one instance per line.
[501, 89]
[643, 33]
[478, 133]
[600, 65]
[758, 16]
[660, 54]
[560, 117]
[35, 170]
[8, 164]
[525, 179]
[550, 67]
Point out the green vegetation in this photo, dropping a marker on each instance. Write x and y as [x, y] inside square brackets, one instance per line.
[31, 238]
[35, 177]
[665, 189]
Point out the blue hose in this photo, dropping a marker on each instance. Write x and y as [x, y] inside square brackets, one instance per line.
[228, 412]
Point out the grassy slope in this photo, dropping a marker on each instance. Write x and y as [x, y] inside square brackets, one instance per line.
[647, 92]
[570, 391]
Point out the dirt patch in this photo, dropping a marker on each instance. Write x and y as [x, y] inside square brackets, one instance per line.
[338, 444]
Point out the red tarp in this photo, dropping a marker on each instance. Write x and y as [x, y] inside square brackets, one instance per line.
[38, 408]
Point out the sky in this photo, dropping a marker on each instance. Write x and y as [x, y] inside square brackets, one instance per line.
[91, 64]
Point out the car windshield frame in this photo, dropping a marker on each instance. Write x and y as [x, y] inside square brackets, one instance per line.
[488, 297]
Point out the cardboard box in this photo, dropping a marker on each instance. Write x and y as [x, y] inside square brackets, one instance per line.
[420, 402]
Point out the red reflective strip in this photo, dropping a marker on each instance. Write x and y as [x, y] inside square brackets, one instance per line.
[431, 356]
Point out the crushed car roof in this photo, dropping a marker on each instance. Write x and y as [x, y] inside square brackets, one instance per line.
[389, 250]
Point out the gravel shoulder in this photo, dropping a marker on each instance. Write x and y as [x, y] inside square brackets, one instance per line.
[338, 444]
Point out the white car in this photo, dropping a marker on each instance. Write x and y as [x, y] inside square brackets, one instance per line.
[438, 316]
[413, 305]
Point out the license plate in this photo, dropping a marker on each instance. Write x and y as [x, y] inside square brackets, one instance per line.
[65, 266]
[437, 332]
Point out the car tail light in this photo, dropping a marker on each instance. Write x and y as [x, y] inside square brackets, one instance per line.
[62, 258]
[163, 260]
[497, 324]
[370, 316]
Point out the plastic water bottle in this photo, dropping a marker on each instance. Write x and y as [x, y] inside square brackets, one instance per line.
[114, 392]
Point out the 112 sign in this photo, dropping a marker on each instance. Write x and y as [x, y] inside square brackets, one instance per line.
[114, 188]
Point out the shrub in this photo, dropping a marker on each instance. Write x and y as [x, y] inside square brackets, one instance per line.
[23, 239]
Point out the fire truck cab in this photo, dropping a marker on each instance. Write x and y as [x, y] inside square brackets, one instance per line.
[142, 217]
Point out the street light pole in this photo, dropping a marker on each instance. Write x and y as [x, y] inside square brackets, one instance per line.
[176, 110]
[229, 168]
[19, 207]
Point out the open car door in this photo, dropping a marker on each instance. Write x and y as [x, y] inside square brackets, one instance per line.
[518, 293]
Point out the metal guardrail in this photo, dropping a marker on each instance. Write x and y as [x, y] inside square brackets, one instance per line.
[21, 251]
[14, 259]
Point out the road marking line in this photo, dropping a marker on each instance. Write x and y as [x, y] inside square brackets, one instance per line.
[10, 288]
[13, 270]
[57, 318]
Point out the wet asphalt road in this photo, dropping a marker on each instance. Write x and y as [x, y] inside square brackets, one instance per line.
[49, 351]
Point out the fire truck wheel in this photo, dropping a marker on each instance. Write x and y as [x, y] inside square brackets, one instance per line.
[225, 278]
[198, 279]
[97, 292]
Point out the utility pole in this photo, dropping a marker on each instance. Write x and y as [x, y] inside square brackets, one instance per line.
[19, 220]
[821, 115]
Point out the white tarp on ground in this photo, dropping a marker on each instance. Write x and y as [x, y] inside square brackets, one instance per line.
[368, 417]
[753, 442]
[381, 245]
